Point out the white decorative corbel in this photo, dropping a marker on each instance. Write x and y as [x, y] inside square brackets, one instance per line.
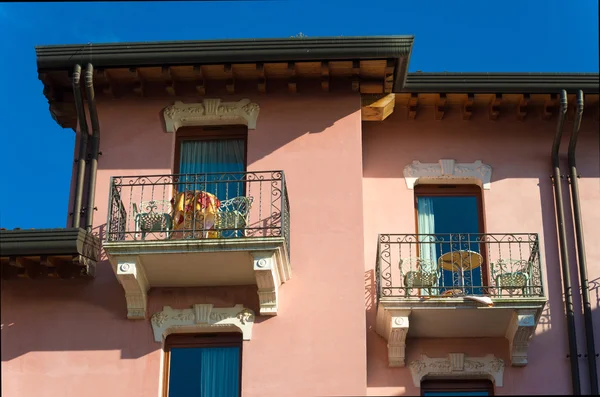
[267, 280]
[447, 169]
[202, 318]
[131, 275]
[458, 365]
[519, 332]
[393, 325]
[211, 112]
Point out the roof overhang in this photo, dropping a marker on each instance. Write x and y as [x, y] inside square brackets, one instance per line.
[502, 83]
[67, 252]
[369, 65]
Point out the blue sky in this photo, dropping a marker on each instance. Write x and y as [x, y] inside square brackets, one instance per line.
[455, 36]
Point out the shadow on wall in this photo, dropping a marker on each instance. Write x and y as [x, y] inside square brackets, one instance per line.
[139, 141]
[56, 315]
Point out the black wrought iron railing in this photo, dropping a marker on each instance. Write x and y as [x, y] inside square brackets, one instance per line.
[198, 206]
[440, 265]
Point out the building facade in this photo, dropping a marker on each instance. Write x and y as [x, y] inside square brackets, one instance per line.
[302, 217]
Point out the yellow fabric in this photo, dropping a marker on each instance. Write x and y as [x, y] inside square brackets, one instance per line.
[196, 210]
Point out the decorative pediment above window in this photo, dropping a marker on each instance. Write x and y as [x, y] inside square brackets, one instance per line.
[456, 366]
[211, 111]
[447, 169]
[202, 318]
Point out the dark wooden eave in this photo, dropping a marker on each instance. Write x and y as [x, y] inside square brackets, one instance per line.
[369, 65]
[503, 83]
[65, 252]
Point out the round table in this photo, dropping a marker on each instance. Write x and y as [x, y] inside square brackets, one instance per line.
[460, 261]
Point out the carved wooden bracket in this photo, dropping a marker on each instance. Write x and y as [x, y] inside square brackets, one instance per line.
[211, 112]
[202, 318]
[458, 365]
[447, 169]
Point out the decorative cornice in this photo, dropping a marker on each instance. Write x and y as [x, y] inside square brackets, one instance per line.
[211, 112]
[458, 365]
[202, 318]
[447, 169]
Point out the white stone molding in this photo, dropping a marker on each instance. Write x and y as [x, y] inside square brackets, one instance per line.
[458, 365]
[202, 318]
[519, 332]
[130, 274]
[211, 112]
[269, 277]
[447, 169]
[393, 325]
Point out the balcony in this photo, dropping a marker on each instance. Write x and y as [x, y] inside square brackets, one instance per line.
[213, 229]
[458, 286]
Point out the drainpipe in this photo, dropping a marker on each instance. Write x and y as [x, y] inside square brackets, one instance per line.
[585, 292]
[83, 143]
[562, 240]
[95, 151]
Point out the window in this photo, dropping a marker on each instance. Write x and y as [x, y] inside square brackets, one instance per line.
[449, 223]
[213, 159]
[457, 388]
[211, 163]
[203, 365]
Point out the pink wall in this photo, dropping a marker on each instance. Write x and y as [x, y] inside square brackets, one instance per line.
[520, 201]
[72, 338]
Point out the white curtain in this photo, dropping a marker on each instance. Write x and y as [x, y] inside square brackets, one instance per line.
[426, 226]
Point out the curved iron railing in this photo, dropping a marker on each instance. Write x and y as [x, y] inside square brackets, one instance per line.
[451, 264]
[195, 206]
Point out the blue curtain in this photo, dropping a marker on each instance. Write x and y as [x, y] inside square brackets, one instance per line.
[204, 372]
[214, 166]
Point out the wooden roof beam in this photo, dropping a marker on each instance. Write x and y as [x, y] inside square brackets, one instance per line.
[522, 107]
[440, 106]
[138, 85]
[200, 83]
[262, 81]
[169, 82]
[377, 108]
[494, 106]
[355, 76]
[230, 83]
[292, 77]
[325, 76]
[467, 109]
[413, 104]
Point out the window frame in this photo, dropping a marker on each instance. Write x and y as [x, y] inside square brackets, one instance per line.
[454, 190]
[457, 385]
[199, 340]
[209, 133]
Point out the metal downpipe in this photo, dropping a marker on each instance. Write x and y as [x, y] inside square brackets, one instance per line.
[562, 243]
[95, 150]
[583, 276]
[83, 144]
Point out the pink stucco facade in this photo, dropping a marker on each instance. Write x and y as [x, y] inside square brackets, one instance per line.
[520, 200]
[345, 186]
